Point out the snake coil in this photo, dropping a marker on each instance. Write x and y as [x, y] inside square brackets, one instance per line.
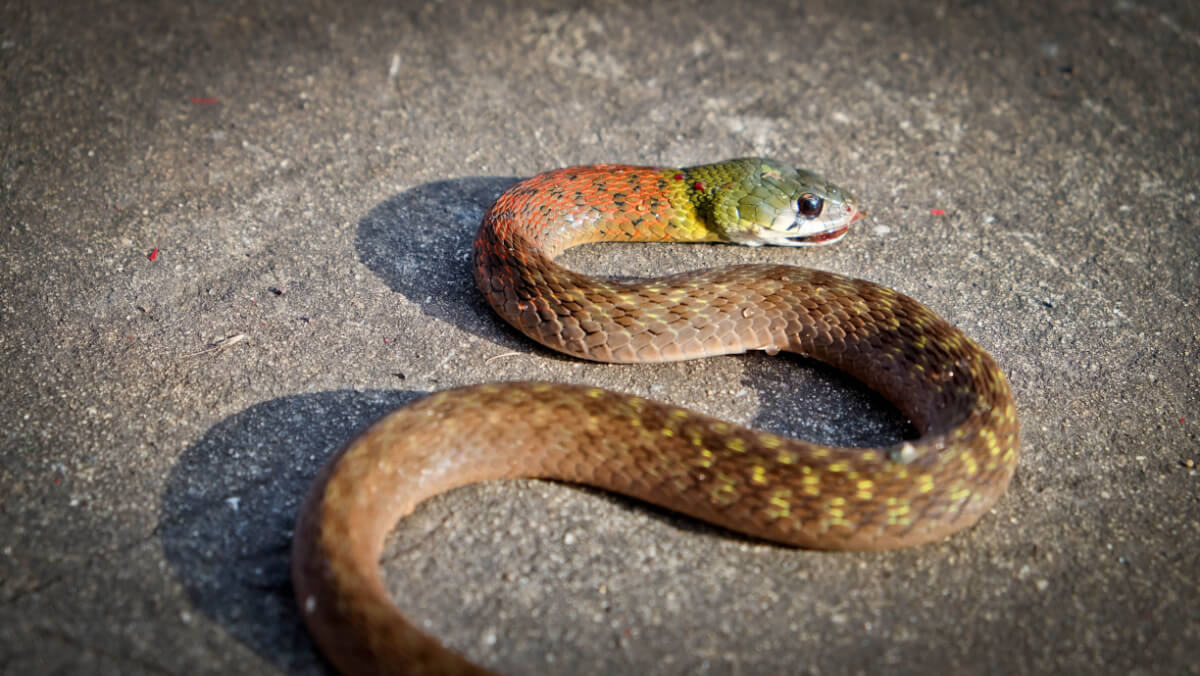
[776, 488]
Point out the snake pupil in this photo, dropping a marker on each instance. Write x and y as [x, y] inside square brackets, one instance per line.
[809, 206]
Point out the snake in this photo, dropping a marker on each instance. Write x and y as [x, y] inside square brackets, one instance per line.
[770, 487]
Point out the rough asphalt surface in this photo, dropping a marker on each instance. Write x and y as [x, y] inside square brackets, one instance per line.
[311, 174]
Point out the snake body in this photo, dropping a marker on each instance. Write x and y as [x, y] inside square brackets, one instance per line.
[776, 488]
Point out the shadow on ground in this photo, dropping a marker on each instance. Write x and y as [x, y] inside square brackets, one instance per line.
[419, 244]
[231, 502]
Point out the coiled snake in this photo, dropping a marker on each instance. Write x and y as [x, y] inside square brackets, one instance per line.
[771, 487]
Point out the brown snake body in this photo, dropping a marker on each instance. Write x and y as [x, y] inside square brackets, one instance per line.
[776, 488]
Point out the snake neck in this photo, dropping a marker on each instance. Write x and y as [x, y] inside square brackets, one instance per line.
[604, 203]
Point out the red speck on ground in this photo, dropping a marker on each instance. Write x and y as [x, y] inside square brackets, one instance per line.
[698, 185]
[153, 254]
[678, 177]
[938, 212]
[204, 101]
[1182, 420]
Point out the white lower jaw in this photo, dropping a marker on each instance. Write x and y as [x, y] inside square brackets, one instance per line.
[778, 238]
[812, 229]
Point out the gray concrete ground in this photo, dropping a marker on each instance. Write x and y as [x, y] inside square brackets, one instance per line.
[310, 175]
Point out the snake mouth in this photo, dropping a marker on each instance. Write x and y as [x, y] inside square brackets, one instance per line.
[818, 234]
[831, 236]
[827, 237]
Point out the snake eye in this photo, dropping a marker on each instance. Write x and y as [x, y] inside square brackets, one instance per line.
[809, 205]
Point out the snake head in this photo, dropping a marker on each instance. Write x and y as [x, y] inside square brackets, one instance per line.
[776, 204]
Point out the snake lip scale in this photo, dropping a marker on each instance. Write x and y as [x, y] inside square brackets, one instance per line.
[784, 490]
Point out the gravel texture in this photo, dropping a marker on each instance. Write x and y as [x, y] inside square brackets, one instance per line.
[234, 233]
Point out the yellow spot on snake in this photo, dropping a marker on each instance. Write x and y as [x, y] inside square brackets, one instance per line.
[758, 475]
[706, 458]
[781, 505]
[925, 483]
[989, 439]
[838, 467]
[724, 494]
[866, 489]
[736, 444]
[785, 458]
[960, 493]
[595, 392]
[810, 480]
[770, 440]
[668, 432]
[971, 466]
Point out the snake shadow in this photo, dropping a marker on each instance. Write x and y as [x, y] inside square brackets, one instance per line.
[419, 243]
[230, 503]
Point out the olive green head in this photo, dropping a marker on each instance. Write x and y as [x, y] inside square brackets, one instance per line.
[755, 201]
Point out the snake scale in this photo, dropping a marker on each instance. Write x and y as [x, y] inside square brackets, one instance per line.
[775, 488]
